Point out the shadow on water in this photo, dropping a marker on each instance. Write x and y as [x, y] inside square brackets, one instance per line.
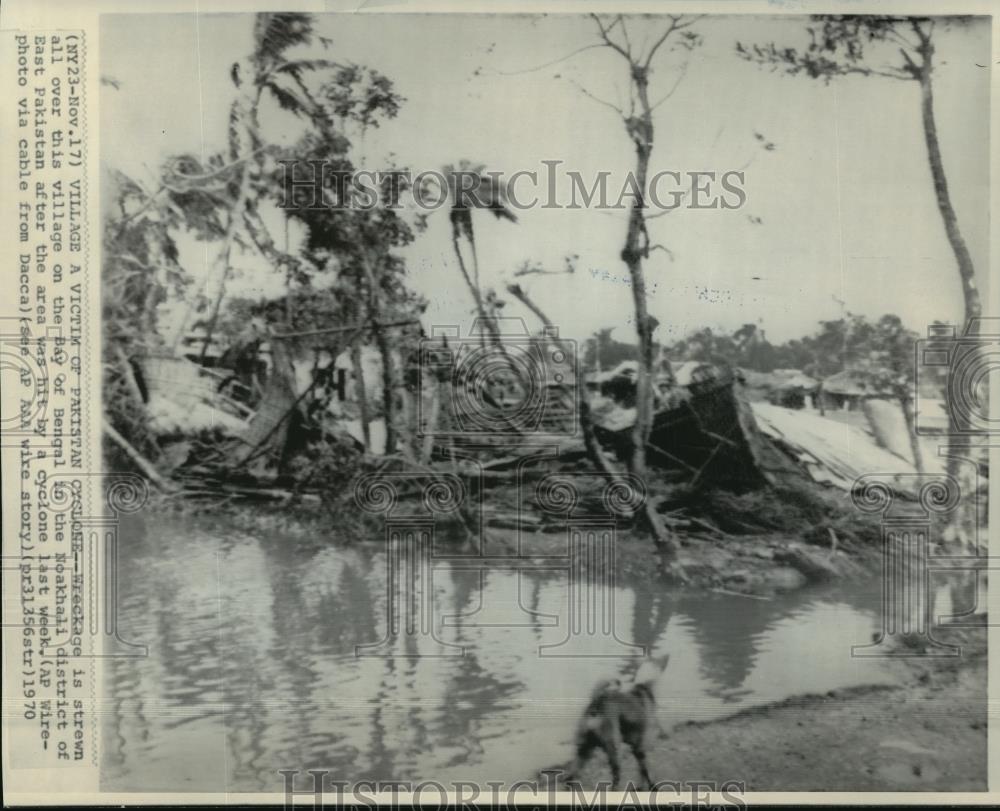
[252, 664]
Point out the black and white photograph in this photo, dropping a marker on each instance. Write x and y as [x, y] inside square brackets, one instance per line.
[571, 403]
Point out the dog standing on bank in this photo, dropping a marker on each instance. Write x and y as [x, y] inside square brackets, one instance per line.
[621, 713]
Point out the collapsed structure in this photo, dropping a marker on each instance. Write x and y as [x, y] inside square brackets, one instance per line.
[712, 427]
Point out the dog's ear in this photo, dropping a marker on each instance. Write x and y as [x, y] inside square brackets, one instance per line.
[662, 661]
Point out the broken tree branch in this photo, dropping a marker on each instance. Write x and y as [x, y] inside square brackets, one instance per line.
[141, 461]
[590, 441]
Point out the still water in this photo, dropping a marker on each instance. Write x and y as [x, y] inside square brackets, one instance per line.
[251, 665]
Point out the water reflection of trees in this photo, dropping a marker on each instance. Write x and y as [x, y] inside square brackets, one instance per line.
[316, 624]
[124, 681]
[395, 733]
[475, 694]
[265, 661]
[729, 631]
[346, 612]
[380, 755]
[258, 638]
[650, 616]
[176, 615]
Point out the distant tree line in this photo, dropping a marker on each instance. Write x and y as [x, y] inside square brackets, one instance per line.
[882, 348]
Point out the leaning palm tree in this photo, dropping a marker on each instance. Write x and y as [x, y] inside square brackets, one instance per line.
[267, 71]
[469, 186]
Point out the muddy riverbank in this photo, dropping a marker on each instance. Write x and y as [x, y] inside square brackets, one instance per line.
[763, 560]
[926, 732]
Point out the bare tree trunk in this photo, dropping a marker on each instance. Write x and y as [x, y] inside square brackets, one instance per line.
[406, 435]
[966, 270]
[289, 296]
[431, 426]
[959, 446]
[486, 322]
[388, 388]
[640, 129]
[473, 287]
[385, 352]
[359, 392]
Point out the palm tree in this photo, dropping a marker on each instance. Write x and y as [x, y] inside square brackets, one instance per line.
[483, 191]
[268, 70]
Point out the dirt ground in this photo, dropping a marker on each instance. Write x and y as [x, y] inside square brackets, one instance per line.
[926, 734]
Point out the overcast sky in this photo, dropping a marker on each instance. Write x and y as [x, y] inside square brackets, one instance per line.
[842, 208]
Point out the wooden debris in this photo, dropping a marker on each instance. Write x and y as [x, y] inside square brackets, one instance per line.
[815, 566]
[513, 520]
[729, 593]
[141, 461]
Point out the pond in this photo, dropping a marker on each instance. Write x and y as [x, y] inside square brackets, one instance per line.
[252, 661]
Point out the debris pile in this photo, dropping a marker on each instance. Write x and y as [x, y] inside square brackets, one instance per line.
[722, 466]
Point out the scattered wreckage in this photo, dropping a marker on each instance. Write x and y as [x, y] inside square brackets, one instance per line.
[706, 430]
